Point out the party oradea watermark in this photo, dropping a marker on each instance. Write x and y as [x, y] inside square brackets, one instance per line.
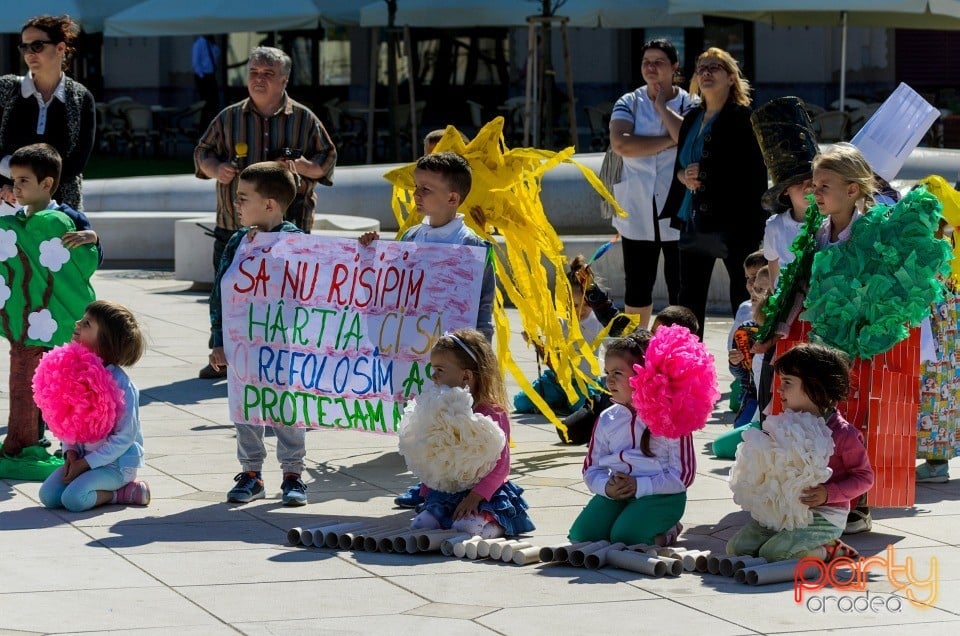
[813, 579]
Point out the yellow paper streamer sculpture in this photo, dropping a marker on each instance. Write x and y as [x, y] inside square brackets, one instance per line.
[505, 198]
[950, 199]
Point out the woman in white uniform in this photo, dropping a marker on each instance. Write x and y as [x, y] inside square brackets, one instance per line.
[644, 127]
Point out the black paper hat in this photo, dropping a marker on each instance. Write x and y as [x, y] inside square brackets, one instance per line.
[785, 134]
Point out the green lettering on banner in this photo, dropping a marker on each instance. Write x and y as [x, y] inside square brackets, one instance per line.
[278, 324]
[251, 322]
[251, 398]
[301, 318]
[375, 414]
[413, 378]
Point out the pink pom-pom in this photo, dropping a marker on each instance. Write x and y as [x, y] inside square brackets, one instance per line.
[79, 399]
[674, 391]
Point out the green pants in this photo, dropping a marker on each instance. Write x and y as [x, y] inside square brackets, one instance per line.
[633, 521]
[756, 540]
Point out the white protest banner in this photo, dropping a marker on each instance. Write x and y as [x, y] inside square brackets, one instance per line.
[325, 333]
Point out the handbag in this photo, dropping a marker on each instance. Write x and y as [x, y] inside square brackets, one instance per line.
[611, 171]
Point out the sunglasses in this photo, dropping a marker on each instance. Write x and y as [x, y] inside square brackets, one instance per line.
[34, 47]
[710, 68]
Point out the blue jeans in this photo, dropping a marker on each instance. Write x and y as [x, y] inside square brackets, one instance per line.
[81, 493]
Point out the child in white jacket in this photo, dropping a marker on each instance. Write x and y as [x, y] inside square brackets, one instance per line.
[639, 480]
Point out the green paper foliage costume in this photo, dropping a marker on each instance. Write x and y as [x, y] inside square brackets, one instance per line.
[867, 292]
[46, 286]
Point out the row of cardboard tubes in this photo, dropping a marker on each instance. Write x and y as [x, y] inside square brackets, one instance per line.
[644, 559]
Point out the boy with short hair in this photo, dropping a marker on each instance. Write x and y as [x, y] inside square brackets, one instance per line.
[35, 171]
[443, 182]
[739, 365]
[264, 191]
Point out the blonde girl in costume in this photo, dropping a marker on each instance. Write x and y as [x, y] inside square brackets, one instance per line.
[843, 187]
[814, 379]
[494, 507]
[639, 480]
[105, 471]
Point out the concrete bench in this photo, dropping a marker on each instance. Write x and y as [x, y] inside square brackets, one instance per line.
[137, 238]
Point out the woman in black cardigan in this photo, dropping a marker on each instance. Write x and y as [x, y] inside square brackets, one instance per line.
[720, 177]
[47, 106]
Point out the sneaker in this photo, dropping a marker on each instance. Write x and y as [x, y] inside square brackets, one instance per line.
[928, 473]
[668, 538]
[209, 373]
[136, 493]
[294, 490]
[409, 499]
[248, 488]
[859, 520]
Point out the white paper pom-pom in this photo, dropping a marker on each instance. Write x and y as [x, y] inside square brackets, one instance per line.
[448, 446]
[775, 465]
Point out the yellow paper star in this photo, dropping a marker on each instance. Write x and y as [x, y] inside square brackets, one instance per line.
[505, 198]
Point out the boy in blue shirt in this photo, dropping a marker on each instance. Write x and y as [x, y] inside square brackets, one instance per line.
[264, 191]
[443, 181]
[35, 171]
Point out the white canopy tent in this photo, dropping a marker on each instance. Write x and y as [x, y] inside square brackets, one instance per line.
[611, 14]
[90, 14]
[901, 14]
[195, 17]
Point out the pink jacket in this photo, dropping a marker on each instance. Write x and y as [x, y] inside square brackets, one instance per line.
[852, 475]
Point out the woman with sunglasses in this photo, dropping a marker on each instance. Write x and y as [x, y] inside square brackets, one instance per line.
[47, 106]
[720, 177]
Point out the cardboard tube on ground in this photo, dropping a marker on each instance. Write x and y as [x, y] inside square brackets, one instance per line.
[713, 562]
[306, 537]
[562, 552]
[331, 534]
[674, 566]
[527, 556]
[447, 545]
[400, 542]
[578, 556]
[293, 536]
[496, 549]
[703, 561]
[483, 548]
[506, 554]
[345, 539]
[460, 549]
[747, 562]
[726, 565]
[690, 559]
[358, 536]
[372, 542]
[598, 559]
[386, 543]
[432, 540]
[778, 572]
[637, 562]
[472, 550]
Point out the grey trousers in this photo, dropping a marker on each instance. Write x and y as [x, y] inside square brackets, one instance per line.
[291, 447]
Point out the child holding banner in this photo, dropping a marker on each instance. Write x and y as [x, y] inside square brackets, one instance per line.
[264, 191]
[493, 507]
[443, 181]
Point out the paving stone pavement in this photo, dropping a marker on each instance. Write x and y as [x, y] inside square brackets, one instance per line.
[190, 563]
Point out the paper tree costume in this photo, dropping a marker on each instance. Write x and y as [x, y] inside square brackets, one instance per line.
[505, 197]
[44, 289]
[866, 297]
